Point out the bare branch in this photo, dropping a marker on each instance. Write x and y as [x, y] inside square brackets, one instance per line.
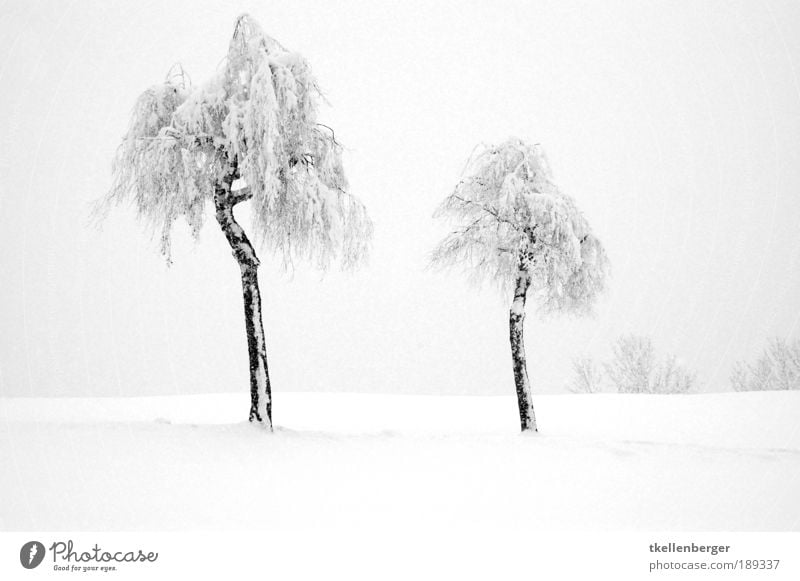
[240, 195]
[333, 135]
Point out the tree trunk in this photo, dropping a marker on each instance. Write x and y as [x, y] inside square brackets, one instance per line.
[245, 255]
[516, 320]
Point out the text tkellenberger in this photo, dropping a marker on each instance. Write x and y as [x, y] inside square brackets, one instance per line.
[676, 548]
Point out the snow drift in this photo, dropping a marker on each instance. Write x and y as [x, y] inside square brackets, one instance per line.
[601, 462]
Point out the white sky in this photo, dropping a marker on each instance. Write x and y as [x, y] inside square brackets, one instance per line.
[675, 125]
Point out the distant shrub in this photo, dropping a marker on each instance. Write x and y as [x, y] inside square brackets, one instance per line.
[634, 369]
[588, 376]
[778, 368]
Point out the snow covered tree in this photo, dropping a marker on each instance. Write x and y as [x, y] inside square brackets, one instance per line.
[778, 368]
[249, 133]
[634, 369]
[516, 229]
[633, 364]
[588, 377]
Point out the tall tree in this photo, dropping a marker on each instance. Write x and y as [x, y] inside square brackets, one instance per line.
[249, 133]
[515, 228]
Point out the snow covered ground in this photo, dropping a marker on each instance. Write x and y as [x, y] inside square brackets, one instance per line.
[724, 462]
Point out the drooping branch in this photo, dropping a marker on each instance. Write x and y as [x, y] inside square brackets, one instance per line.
[333, 134]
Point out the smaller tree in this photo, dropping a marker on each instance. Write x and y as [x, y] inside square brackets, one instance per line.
[588, 377]
[632, 365]
[778, 368]
[634, 369]
[519, 231]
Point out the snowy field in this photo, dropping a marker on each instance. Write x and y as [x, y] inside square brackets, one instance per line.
[725, 462]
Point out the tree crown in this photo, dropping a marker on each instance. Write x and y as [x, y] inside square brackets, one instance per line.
[512, 221]
[255, 121]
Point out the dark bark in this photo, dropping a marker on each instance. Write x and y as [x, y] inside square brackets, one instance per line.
[516, 321]
[245, 255]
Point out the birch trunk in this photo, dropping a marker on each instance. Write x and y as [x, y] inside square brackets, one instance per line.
[516, 320]
[245, 255]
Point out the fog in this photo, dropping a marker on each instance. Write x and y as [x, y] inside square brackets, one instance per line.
[675, 126]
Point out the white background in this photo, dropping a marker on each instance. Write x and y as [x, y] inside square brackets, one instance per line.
[675, 125]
